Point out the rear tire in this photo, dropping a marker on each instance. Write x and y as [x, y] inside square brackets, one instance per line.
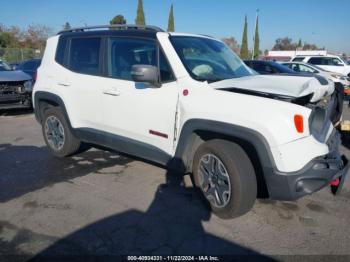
[231, 192]
[57, 134]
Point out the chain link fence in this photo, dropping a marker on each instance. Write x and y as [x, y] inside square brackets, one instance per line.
[17, 55]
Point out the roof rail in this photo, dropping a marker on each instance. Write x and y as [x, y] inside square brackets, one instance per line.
[119, 27]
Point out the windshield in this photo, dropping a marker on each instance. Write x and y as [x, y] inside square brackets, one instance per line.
[344, 60]
[209, 60]
[4, 66]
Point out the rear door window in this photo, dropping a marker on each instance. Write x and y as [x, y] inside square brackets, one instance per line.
[298, 59]
[317, 61]
[84, 56]
[294, 67]
[306, 69]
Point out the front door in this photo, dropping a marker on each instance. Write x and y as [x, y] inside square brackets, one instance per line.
[139, 111]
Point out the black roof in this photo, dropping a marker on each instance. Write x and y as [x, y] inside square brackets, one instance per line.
[113, 30]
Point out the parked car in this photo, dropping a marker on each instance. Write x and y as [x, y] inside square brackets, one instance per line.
[14, 66]
[15, 88]
[301, 67]
[268, 67]
[30, 67]
[330, 63]
[278, 69]
[189, 103]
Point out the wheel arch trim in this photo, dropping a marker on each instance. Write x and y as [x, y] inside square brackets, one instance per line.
[42, 96]
[194, 128]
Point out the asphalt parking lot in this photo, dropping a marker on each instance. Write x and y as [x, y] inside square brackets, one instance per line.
[102, 203]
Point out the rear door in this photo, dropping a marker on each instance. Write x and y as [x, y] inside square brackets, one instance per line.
[81, 81]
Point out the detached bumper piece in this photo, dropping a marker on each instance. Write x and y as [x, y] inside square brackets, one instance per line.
[319, 173]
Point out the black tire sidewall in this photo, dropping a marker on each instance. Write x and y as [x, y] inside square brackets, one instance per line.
[69, 138]
[241, 174]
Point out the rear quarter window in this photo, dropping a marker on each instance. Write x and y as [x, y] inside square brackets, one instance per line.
[61, 51]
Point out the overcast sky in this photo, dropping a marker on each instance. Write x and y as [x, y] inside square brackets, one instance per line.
[323, 22]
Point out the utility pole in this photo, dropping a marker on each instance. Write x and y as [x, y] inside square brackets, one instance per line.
[256, 21]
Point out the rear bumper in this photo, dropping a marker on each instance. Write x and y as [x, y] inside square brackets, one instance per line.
[317, 174]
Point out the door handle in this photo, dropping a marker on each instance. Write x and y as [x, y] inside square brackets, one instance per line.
[111, 92]
[63, 84]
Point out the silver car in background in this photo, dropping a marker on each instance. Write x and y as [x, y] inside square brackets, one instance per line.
[313, 69]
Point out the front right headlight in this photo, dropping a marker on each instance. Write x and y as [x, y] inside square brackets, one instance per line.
[28, 86]
[337, 76]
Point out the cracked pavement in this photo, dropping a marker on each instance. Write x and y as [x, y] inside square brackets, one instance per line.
[102, 203]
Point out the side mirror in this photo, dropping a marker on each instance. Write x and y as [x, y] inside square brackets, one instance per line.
[146, 74]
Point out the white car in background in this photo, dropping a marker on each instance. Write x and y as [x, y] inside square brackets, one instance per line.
[330, 63]
[301, 67]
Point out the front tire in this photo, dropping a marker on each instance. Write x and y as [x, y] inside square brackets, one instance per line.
[225, 175]
[57, 134]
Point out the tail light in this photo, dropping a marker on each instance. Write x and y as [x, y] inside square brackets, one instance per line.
[299, 123]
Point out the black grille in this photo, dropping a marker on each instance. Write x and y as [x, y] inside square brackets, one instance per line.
[11, 91]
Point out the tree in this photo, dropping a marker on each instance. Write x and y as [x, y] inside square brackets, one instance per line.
[140, 18]
[244, 45]
[308, 46]
[300, 44]
[283, 44]
[171, 21]
[232, 43]
[67, 26]
[256, 40]
[36, 35]
[118, 20]
[8, 40]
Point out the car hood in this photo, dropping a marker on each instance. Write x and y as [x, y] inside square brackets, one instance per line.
[279, 85]
[9, 76]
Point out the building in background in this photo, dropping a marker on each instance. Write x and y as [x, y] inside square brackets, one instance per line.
[287, 55]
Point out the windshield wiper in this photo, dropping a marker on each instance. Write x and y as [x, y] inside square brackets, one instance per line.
[209, 80]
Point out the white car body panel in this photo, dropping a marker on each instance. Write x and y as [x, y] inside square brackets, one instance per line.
[139, 110]
[282, 85]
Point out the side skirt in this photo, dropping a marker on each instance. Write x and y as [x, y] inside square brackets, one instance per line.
[123, 145]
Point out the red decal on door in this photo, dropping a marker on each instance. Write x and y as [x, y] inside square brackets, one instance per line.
[156, 133]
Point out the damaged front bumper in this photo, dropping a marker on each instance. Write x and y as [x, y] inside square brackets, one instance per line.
[15, 95]
[317, 174]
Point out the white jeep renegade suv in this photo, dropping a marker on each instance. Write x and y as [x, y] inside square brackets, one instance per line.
[188, 102]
